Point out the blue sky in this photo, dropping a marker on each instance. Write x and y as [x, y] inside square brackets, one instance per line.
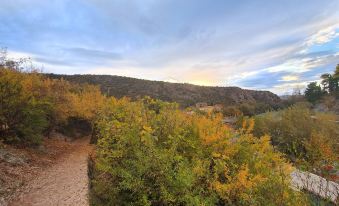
[256, 44]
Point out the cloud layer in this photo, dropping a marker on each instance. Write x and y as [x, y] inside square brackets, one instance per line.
[270, 45]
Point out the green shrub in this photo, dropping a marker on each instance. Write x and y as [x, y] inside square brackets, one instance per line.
[150, 153]
[23, 117]
[308, 139]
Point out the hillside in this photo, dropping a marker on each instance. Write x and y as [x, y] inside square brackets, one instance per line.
[184, 94]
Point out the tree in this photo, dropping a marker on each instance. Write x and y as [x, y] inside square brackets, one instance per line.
[3, 56]
[336, 72]
[313, 92]
[336, 79]
[329, 83]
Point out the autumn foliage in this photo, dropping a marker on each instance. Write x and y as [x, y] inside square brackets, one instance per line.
[308, 139]
[151, 153]
[31, 105]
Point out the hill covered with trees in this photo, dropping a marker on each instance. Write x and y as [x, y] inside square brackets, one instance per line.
[184, 94]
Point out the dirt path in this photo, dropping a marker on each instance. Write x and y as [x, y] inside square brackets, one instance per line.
[65, 183]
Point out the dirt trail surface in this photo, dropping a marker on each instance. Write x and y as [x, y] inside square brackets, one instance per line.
[64, 183]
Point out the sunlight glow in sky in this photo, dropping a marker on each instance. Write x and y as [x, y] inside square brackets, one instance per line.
[257, 44]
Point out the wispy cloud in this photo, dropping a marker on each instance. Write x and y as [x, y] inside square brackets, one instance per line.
[323, 36]
[289, 78]
[255, 44]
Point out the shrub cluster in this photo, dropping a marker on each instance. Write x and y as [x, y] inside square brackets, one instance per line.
[151, 153]
[31, 105]
[309, 139]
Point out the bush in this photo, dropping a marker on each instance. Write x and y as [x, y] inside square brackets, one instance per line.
[150, 153]
[32, 105]
[22, 116]
[308, 139]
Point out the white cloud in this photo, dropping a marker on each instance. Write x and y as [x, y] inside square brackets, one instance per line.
[323, 36]
[288, 87]
[293, 66]
[177, 41]
[297, 66]
[288, 78]
[18, 55]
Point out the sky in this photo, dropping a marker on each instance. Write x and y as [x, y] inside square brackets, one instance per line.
[270, 45]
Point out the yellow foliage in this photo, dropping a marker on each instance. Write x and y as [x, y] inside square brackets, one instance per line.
[211, 129]
[188, 154]
[247, 125]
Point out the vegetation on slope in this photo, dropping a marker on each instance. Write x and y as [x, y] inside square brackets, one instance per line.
[184, 94]
[31, 105]
[151, 153]
[308, 139]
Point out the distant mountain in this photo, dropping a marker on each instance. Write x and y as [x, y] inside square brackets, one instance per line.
[184, 94]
